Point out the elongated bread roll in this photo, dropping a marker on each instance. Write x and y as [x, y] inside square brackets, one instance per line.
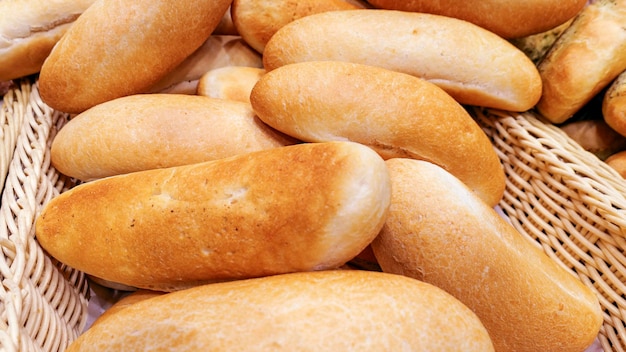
[396, 114]
[473, 65]
[230, 82]
[296, 208]
[149, 131]
[118, 48]
[585, 59]
[216, 52]
[344, 310]
[257, 20]
[614, 105]
[508, 19]
[29, 29]
[440, 232]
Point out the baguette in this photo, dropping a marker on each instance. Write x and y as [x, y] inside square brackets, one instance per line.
[305, 207]
[217, 51]
[149, 131]
[614, 105]
[343, 310]
[396, 114]
[473, 65]
[231, 82]
[29, 29]
[584, 60]
[440, 232]
[257, 20]
[118, 48]
[508, 19]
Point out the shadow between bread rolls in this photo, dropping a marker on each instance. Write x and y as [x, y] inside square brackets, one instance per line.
[396, 114]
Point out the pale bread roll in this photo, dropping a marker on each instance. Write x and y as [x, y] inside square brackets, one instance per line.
[344, 310]
[217, 51]
[149, 131]
[396, 114]
[614, 105]
[118, 48]
[473, 65]
[508, 19]
[28, 31]
[257, 20]
[585, 59]
[438, 231]
[304, 207]
[231, 82]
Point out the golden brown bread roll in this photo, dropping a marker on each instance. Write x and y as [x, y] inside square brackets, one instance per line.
[304, 207]
[618, 162]
[508, 19]
[257, 20]
[440, 232]
[473, 65]
[614, 104]
[585, 59]
[28, 31]
[149, 131]
[230, 82]
[342, 310]
[217, 51]
[118, 48]
[396, 114]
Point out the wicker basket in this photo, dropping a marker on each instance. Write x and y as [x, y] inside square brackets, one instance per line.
[564, 199]
[43, 304]
[568, 202]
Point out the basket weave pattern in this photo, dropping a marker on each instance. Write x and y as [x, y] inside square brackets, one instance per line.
[569, 203]
[43, 304]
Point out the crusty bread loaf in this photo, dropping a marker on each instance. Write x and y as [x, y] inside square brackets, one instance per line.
[217, 51]
[342, 310]
[508, 19]
[29, 29]
[585, 59]
[618, 162]
[149, 131]
[230, 82]
[440, 232]
[473, 65]
[614, 105]
[118, 48]
[257, 20]
[396, 114]
[304, 207]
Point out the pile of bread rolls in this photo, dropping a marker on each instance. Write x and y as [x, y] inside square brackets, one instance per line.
[238, 157]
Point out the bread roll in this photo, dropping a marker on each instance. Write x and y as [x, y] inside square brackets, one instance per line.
[585, 59]
[217, 51]
[257, 20]
[614, 105]
[508, 19]
[149, 131]
[396, 114]
[231, 82]
[618, 162]
[28, 31]
[296, 208]
[343, 310]
[440, 232]
[118, 48]
[595, 136]
[473, 65]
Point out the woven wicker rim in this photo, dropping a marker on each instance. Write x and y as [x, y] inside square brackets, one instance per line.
[569, 203]
[43, 304]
